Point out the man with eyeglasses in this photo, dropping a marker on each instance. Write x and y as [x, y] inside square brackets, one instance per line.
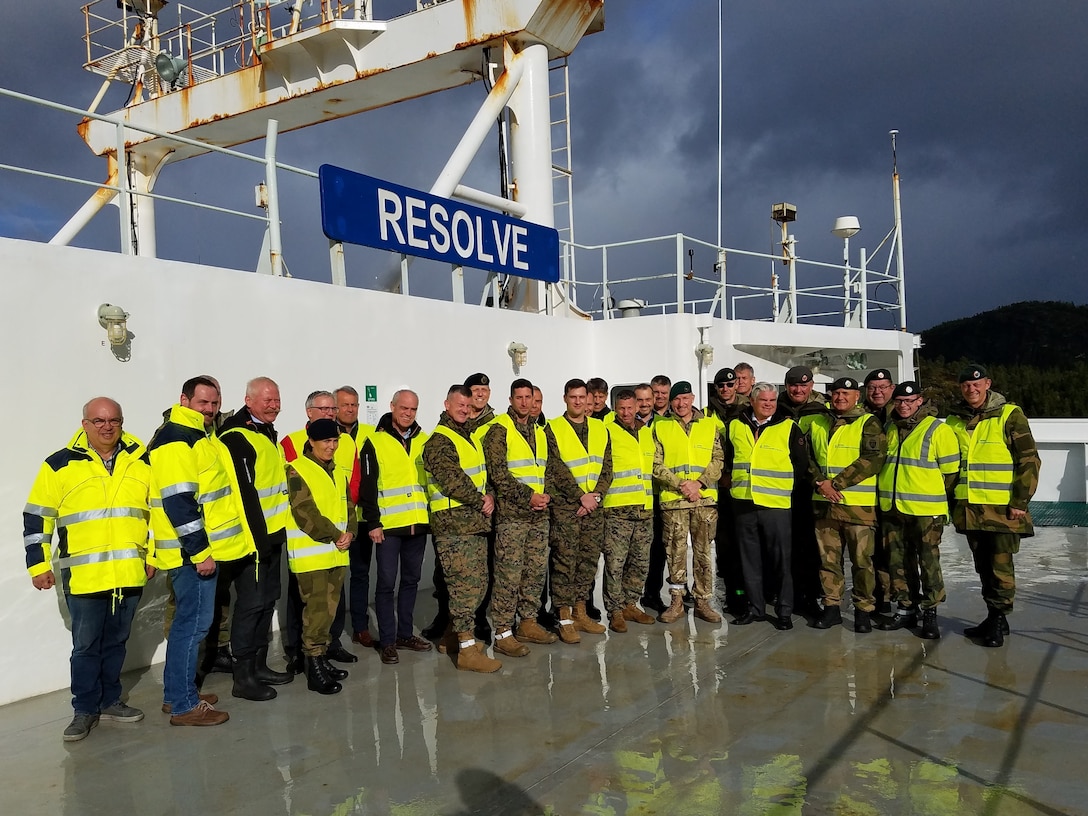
[918, 475]
[724, 406]
[95, 494]
[878, 402]
[323, 405]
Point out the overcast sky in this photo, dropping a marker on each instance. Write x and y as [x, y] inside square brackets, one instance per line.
[989, 98]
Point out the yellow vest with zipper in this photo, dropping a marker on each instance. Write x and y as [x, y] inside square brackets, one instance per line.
[986, 464]
[837, 453]
[585, 466]
[472, 463]
[100, 518]
[762, 469]
[402, 501]
[687, 454]
[632, 468]
[523, 464]
[269, 480]
[329, 492]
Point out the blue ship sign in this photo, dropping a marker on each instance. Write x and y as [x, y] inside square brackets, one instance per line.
[358, 209]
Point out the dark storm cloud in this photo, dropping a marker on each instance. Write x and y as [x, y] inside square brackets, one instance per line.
[988, 98]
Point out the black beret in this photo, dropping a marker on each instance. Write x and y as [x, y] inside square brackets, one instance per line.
[878, 374]
[848, 383]
[678, 388]
[907, 389]
[973, 372]
[799, 375]
[323, 429]
[725, 375]
[477, 379]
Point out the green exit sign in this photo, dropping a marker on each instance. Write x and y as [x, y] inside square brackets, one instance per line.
[371, 393]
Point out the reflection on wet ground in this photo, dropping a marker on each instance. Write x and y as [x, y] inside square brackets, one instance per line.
[685, 719]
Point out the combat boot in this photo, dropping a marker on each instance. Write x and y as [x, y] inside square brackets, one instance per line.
[705, 611]
[996, 636]
[635, 615]
[929, 624]
[983, 629]
[437, 627]
[529, 631]
[616, 622]
[447, 644]
[675, 611]
[831, 616]
[224, 661]
[268, 676]
[507, 644]
[246, 684]
[902, 619]
[567, 632]
[863, 624]
[582, 621]
[471, 655]
[317, 677]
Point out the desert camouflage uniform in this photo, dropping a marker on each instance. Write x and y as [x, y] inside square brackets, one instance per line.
[682, 518]
[576, 541]
[846, 527]
[992, 536]
[521, 533]
[460, 534]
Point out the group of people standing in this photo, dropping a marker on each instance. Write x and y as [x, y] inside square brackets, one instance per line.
[781, 481]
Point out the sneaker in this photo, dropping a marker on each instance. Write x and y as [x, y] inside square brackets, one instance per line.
[203, 714]
[80, 727]
[119, 712]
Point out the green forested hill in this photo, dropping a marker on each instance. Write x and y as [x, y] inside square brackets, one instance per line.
[1036, 353]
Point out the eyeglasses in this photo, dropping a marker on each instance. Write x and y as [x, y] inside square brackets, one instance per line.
[114, 422]
[329, 408]
[725, 385]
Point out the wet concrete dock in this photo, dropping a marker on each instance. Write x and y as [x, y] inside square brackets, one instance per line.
[689, 718]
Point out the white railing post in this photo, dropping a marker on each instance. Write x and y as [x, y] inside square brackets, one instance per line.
[864, 289]
[124, 197]
[275, 245]
[679, 273]
[606, 312]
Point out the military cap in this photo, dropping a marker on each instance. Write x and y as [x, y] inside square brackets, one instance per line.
[878, 374]
[849, 383]
[725, 375]
[973, 372]
[907, 389]
[477, 379]
[323, 429]
[679, 388]
[799, 375]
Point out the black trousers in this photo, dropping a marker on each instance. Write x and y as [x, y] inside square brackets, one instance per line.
[269, 584]
[764, 544]
[248, 608]
[655, 576]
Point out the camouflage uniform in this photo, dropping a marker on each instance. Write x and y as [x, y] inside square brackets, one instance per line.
[576, 541]
[885, 591]
[521, 533]
[628, 531]
[849, 527]
[460, 533]
[683, 518]
[805, 554]
[992, 536]
[319, 589]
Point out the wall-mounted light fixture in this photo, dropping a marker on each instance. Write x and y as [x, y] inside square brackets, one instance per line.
[704, 351]
[114, 320]
[519, 355]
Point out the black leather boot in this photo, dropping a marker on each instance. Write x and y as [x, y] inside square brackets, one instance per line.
[929, 624]
[333, 671]
[317, 678]
[831, 616]
[246, 685]
[223, 662]
[903, 619]
[995, 637]
[863, 624]
[268, 676]
[437, 627]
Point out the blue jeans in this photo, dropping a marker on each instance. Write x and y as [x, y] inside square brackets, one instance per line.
[195, 596]
[100, 628]
[406, 555]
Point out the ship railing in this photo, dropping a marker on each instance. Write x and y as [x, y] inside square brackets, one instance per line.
[675, 274]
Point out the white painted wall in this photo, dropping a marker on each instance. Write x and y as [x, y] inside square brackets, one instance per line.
[188, 319]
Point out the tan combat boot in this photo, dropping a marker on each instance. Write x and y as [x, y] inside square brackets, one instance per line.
[567, 632]
[583, 622]
[529, 631]
[447, 644]
[675, 610]
[507, 644]
[635, 615]
[616, 622]
[706, 612]
[472, 657]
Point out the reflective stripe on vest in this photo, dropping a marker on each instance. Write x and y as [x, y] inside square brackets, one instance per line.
[632, 468]
[986, 464]
[471, 459]
[329, 492]
[402, 501]
[762, 469]
[840, 452]
[523, 464]
[584, 465]
[269, 479]
[912, 476]
[687, 454]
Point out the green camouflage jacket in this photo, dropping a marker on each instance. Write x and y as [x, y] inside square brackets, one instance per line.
[442, 462]
[304, 508]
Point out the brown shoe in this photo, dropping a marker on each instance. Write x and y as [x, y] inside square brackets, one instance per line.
[507, 644]
[472, 657]
[389, 654]
[203, 714]
[583, 622]
[703, 610]
[210, 699]
[567, 632]
[635, 615]
[364, 639]
[414, 643]
[529, 631]
[616, 622]
[675, 610]
[447, 644]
